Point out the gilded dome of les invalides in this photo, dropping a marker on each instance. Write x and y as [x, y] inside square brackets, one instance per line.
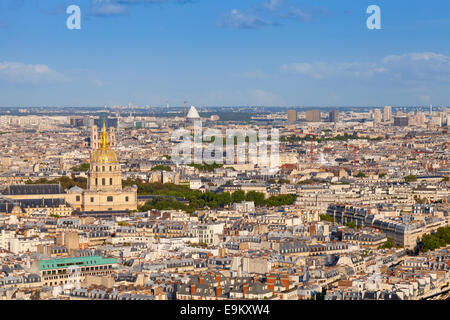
[104, 154]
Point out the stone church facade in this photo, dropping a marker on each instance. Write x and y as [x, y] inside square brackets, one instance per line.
[104, 188]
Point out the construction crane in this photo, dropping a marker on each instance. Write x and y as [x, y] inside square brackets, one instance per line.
[312, 135]
[355, 150]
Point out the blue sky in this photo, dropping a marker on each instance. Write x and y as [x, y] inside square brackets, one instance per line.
[224, 52]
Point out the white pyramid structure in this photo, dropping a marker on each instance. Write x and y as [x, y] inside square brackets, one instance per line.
[192, 114]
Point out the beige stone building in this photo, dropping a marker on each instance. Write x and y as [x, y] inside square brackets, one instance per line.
[104, 190]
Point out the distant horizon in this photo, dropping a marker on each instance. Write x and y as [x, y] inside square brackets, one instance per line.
[176, 107]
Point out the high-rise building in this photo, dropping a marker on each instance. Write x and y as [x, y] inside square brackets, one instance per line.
[377, 116]
[401, 121]
[420, 118]
[333, 116]
[313, 115]
[292, 115]
[77, 122]
[387, 113]
[110, 122]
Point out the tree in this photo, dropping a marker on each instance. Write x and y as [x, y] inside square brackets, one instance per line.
[351, 225]
[82, 168]
[361, 175]
[224, 198]
[161, 167]
[278, 201]
[206, 167]
[388, 244]
[256, 197]
[437, 240]
[326, 217]
[238, 196]
[411, 178]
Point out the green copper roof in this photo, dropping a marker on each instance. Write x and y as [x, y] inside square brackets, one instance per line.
[75, 261]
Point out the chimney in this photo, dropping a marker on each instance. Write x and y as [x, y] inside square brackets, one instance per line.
[218, 280]
[271, 279]
[245, 288]
[218, 291]
[312, 230]
[285, 281]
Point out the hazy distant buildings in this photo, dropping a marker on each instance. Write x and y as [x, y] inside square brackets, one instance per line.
[401, 121]
[77, 122]
[313, 115]
[377, 116]
[420, 118]
[387, 113]
[109, 122]
[333, 116]
[292, 115]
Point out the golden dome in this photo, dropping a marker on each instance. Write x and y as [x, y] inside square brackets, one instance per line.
[104, 154]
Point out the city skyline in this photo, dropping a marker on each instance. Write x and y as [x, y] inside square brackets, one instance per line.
[214, 53]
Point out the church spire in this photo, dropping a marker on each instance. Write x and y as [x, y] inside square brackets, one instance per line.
[104, 143]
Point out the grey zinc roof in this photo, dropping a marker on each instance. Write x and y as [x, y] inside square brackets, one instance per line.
[25, 189]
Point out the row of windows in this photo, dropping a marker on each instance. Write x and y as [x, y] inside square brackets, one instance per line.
[109, 199]
[104, 181]
[84, 269]
[104, 168]
[56, 283]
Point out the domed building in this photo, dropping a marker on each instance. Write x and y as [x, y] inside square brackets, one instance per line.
[104, 189]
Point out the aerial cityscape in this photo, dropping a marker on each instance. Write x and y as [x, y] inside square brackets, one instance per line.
[93, 206]
[315, 181]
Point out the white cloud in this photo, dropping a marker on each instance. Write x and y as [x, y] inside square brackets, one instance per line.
[240, 20]
[272, 5]
[412, 67]
[301, 15]
[17, 72]
[107, 8]
[303, 68]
